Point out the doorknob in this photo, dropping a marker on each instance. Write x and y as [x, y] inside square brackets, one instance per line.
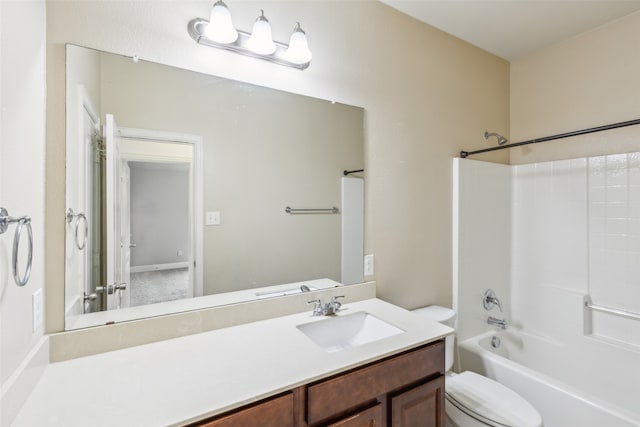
[132, 245]
[111, 289]
[114, 288]
[120, 287]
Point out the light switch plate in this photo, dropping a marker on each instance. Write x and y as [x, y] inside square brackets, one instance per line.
[213, 218]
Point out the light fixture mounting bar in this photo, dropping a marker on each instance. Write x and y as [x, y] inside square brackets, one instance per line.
[197, 26]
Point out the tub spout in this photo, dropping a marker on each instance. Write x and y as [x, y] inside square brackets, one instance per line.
[497, 322]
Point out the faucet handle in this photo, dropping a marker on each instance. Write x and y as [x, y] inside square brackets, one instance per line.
[335, 303]
[317, 308]
[490, 300]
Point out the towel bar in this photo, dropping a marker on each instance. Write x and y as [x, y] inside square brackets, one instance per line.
[611, 310]
[22, 221]
[332, 210]
[78, 216]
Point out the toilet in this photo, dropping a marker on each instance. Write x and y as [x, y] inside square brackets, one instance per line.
[472, 400]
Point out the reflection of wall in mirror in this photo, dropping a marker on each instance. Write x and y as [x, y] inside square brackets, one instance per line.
[159, 213]
[255, 165]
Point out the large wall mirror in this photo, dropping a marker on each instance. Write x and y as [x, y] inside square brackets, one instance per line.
[178, 184]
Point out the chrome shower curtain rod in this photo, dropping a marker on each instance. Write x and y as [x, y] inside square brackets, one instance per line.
[465, 154]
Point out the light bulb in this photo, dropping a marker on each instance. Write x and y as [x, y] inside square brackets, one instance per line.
[261, 40]
[298, 51]
[220, 28]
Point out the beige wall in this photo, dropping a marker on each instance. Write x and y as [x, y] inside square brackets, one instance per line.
[427, 95]
[587, 81]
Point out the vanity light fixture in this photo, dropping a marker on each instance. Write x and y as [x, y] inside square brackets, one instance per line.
[221, 29]
[298, 51]
[219, 32]
[261, 40]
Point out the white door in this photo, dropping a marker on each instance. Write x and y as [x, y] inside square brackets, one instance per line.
[82, 151]
[116, 258]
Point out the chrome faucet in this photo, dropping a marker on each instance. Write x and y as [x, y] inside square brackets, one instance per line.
[490, 300]
[501, 323]
[327, 309]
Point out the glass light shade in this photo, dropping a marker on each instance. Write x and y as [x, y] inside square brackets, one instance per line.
[298, 51]
[261, 40]
[220, 28]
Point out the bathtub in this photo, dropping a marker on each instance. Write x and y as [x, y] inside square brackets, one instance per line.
[569, 384]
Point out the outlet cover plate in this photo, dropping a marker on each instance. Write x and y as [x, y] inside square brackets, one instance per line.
[368, 265]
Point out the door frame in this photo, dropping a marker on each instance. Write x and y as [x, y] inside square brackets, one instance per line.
[76, 132]
[198, 190]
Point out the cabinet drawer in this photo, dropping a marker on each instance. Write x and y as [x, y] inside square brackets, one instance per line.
[275, 412]
[371, 417]
[355, 388]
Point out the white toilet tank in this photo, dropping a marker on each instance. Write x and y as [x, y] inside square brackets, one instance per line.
[447, 317]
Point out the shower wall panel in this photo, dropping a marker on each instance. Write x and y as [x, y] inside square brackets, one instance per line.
[481, 241]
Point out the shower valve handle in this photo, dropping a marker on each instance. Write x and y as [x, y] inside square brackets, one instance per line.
[490, 300]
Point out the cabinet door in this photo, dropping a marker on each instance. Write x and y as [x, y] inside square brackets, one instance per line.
[277, 412]
[347, 391]
[422, 406]
[371, 417]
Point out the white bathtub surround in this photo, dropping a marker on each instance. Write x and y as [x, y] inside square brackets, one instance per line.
[481, 242]
[550, 243]
[533, 366]
[574, 230]
[352, 230]
[219, 371]
[614, 244]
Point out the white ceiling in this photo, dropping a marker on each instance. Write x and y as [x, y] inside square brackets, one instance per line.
[512, 29]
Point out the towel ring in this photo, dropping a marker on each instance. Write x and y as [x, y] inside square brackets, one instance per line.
[5, 220]
[79, 216]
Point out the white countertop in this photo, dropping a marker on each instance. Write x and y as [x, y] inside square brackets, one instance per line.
[190, 378]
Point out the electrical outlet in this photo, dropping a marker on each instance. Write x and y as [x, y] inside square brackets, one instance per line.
[213, 218]
[38, 311]
[368, 265]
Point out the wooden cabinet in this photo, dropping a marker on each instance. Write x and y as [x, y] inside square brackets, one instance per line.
[275, 412]
[372, 383]
[371, 417]
[422, 406]
[405, 390]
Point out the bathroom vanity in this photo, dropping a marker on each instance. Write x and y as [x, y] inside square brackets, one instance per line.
[399, 391]
[273, 372]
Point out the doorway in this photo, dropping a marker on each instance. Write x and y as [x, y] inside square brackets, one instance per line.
[161, 198]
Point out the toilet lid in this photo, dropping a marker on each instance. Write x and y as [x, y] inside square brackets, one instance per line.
[489, 401]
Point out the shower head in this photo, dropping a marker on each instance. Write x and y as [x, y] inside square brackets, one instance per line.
[501, 139]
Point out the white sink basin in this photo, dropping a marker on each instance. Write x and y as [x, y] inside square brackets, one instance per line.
[346, 331]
